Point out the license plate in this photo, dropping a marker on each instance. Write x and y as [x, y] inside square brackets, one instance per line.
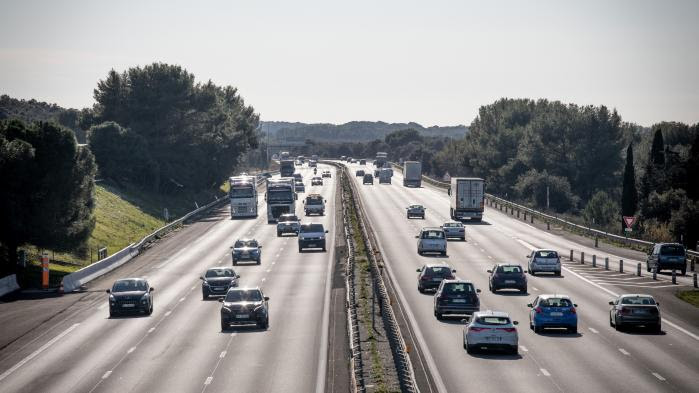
[493, 338]
[436, 279]
[217, 288]
[311, 245]
[242, 316]
[556, 314]
[509, 281]
[245, 253]
[639, 311]
[128, 305]
[459, 300]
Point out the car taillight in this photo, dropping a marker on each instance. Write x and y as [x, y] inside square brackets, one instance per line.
[572, 310]
[538, 310]
[424, 278]
[477, 329]
[654, 311]
[624, 311]
[508, 330]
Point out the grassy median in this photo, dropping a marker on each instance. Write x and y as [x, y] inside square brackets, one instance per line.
[690, 296]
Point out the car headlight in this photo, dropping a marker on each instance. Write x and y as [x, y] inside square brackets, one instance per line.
[144, 299]
[112, 299]
[205, 283]
[260, 310]
[225, 309]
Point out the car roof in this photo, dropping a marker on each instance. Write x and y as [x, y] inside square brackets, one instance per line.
[490, 313]
[219, 268]
[437, 264]
[246, 239]
[544, 249]
[635, 295]
[457, 281]
[131, 278]
[431, 229]
[244, 289]
[552, 295]
[507, 264]
[453, 222]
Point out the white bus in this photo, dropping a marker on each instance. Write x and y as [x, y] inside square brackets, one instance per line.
[243, 195]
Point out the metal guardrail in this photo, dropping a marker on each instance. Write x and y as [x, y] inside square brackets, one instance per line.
[535, 214]
[75, 280]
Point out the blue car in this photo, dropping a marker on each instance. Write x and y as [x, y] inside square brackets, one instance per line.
[553, 311]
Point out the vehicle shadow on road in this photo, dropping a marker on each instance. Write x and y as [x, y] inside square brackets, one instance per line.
[494, 355]
[306, 251]
[558, 334]
[641, 331]
[128, 316]
[244, 329]
[511, 293]
[438, 256]
[467, 222]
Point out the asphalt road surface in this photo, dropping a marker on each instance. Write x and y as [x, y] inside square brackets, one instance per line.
[180, 347]
[597, 359]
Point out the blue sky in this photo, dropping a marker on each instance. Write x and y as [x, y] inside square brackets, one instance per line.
[434, 62]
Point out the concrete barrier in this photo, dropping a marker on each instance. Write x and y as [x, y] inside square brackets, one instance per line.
[8, 284]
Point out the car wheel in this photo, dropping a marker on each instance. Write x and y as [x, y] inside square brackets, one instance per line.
[647, 267]
[557, 274]
[438, 315]
[463, 239]
[514, 350]
[235, 262]
[204, 295]
[537, 329]
[264, 325]
[617, 325]
[532, 272]
[444, 253]
[224, 326]
[611, 324]
[300, 249]
[259, 261]
[150, 310]
[684, 271]
[111, 313]
[657, 329]
[523, 290]
[279, 234]
[324, 248]
[573, 330]
[531, 326]
[419, 252]
[470, 349]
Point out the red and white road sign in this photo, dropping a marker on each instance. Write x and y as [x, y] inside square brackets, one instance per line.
[629, 220]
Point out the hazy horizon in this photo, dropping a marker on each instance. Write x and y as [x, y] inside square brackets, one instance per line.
[393, 61]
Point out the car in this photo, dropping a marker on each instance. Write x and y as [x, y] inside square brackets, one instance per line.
[544, 261]
[362, 162]
[553, 311]
[297, 176]
[431, 275]
[312, 164]
[246, 250]
[491, 329]
[635, 310]
[416, 211]
[507, 276]
[326, 173]
[217, 281]
[667, 256]
[130, 295]
[314, 204]
[368, 179]
[359, 172]
[431, 240]
[266, 175]
[288, 223]
[312, 236]
[454, 229]
[244, 306]
[317, 181]
[456, 296]
[299, 186]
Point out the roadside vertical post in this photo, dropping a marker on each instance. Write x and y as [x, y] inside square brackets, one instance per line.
[531, 218]
[596, 241]
[571, 255]
[548, 225]
[621, 266]
[45, 270]
[594, 260]
[582, 258]
[691, 264]
[606, 263]
[695, 281]
[674, 276]
[638, 269]
[655, 272]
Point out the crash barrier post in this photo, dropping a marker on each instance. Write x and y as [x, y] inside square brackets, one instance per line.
[695, 281]
[606, 263]
[674, 276]
[582, 258]
[638, 269]
[594, 260]
[655, 272]
[571, 255]
[621, 266]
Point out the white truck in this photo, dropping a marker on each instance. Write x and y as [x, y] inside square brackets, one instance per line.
[243, 196]
[412, 174]
[280, 197]
[466, 197]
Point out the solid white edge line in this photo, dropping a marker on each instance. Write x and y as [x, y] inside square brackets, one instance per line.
[37, 352]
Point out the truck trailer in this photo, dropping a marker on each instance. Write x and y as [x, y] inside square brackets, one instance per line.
[412, 174]
[466, 197]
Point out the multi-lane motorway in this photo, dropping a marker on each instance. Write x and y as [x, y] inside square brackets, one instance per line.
[180, 347]
[597, 359]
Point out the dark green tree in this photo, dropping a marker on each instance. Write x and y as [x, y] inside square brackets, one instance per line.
[47, 194]
[657, 150]
[629, 195]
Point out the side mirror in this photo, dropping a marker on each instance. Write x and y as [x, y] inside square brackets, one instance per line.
[108, 291]
[529, 305]
[151, 289]
[220, 300]
[453, 270]
[515, 323]
[657, 304]
[611, 303]
[259, 246]
[296, 196]
[231, 247]
[529, 256]
[325, 200]
[266, 298]
[417, 270]
[449, 191]
[201, 277]
[478, 291]
[489, 271]
[417, 236]
[304, 202]
[575, 305]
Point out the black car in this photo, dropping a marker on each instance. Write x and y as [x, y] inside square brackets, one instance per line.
[130, 295]
[431, 275]
[359, 172]
[246, 250]
[244, 306]
[456, 297]
[368, 179]
[507, 276]
[217, 280]
[635, 310]
[667, 256]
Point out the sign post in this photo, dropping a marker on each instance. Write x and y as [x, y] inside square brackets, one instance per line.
[45, 270]
[629, 221]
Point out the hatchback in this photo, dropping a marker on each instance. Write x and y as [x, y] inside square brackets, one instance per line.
[544, 261]
[553, 311]
[246, 250]
[456, 297]
[431, 275]
[507, 276]
[491, 329]
[217, 281]
[431, 240]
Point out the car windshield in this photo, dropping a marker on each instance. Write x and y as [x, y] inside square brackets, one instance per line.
[244, 192]
[509, 269]
[288, 217]
[672, 250]
[415, 206]
[312, 228]
[245, 243]
[555, 302]
[279, 196]
[443, 271]
[546, 254]
[458, 288]
[639, 300]
[241, 295]
[490, 320]
[433, 235]
[129, 286]
[212, 273]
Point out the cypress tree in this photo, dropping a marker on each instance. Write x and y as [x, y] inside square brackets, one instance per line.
[657, 150]
[629, 195]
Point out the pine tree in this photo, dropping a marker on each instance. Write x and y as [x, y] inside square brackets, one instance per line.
[629, 195]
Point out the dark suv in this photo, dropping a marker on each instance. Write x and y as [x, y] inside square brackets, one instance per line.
[431, 275]
[456, 297]
[244, 306]
[217, 281]
[506, 276]
[130, 295]
[667, 256]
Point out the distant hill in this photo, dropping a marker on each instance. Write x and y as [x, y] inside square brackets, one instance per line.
[354, 131]
[33, 110]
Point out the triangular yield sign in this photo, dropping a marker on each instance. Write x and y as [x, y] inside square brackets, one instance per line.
[629, 220]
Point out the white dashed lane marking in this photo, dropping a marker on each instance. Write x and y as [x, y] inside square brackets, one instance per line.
[545, 372]
[106, 375]
[208, 380]
[623, 351]
[593, 330]
[151, 330]
[523, 348]
[131, 350]
[660, 377]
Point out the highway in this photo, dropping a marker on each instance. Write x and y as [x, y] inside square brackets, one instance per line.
[598, 358]
[180, 347]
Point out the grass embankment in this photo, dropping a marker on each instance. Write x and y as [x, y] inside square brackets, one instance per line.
[690, 296]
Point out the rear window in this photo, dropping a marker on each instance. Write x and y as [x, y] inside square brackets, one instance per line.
[312, 228]
[245, 243]
[555, 302]
[493, 321]
[640, 300]
[672, 250]
[546, 254]
[509, 269]
[458, 288]
[220, 273]
[439, 271]
[433, 235]
[452, 225]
